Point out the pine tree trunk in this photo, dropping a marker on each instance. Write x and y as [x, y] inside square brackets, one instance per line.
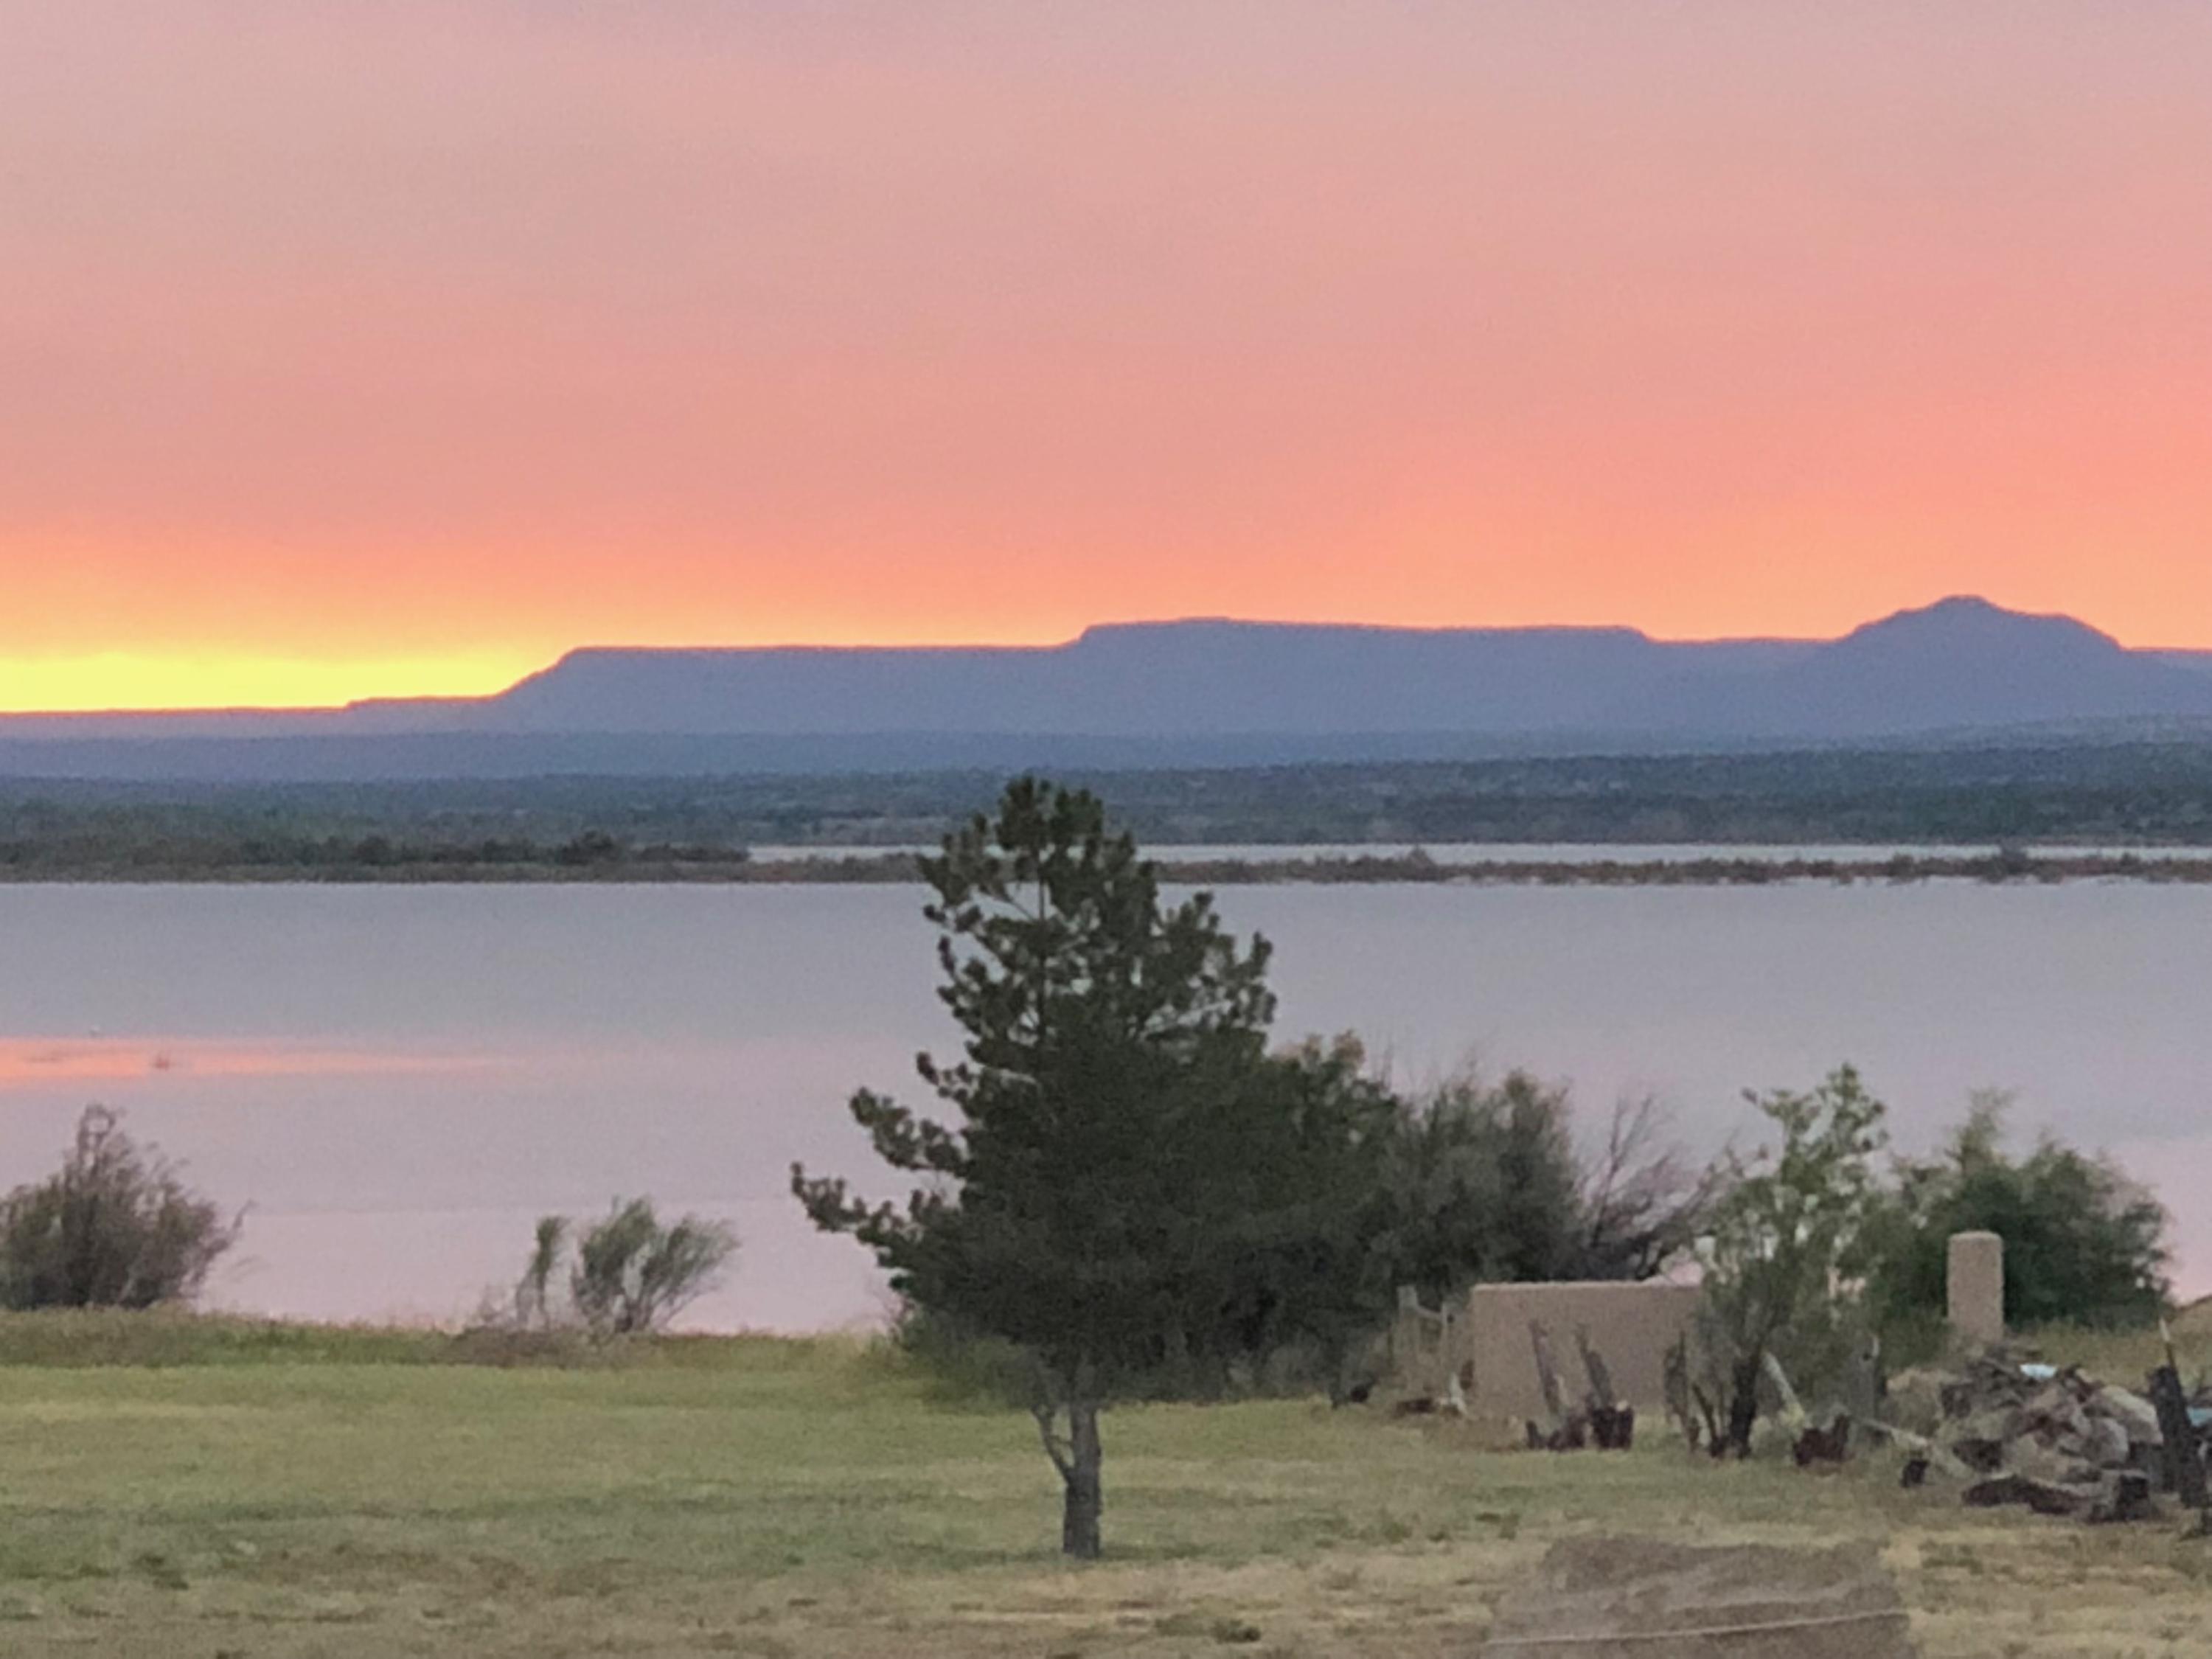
[1086, 1494]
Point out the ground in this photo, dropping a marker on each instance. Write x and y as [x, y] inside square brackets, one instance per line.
[297, 1496]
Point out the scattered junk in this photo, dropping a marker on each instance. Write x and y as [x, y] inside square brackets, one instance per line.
[1472, 1356]
[1603, 1419]
[1610, 1598]
[1426, 1362]
[1830, 1445]
[2056, 1440]
[1696, 1408]
[1997, 1427]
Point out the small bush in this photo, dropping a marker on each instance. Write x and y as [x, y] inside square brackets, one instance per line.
[629, 1275]
[1785, 1245]
[1485, 1182]
[114, 1228]
[633, 1275]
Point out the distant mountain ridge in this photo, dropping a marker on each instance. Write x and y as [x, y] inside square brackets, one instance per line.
[1281, 690]
[1960, 663]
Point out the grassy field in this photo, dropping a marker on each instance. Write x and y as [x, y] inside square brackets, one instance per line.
[263, 1492]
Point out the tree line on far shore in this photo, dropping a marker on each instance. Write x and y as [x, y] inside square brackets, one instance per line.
[1137, 1191]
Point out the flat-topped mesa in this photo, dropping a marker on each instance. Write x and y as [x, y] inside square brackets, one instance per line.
[1960, 663]
[1214, 692]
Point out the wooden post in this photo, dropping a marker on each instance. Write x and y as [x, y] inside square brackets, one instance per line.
[1593, 1367]
[2184, 1464]
[1547, 1374]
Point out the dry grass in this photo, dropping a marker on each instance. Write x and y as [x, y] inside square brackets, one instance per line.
[787, 1499]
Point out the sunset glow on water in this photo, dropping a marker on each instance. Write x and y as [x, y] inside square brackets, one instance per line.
[43, 1062]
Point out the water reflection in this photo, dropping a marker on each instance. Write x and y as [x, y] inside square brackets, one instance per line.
[399, 1080]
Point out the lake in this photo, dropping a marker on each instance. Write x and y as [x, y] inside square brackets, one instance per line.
[398, 1080]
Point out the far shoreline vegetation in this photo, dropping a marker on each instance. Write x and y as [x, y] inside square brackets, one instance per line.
[613, 864]
[2059, 812]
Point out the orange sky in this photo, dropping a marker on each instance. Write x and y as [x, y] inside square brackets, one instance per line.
[378, 346]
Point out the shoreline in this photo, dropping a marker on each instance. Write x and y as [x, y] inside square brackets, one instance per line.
[860, 869]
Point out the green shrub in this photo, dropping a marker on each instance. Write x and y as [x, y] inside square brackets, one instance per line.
[1785, 1246]
[628, 1275]
[113, 1228]
[2084, 1245]
[1484, 1183]
[634, 1274]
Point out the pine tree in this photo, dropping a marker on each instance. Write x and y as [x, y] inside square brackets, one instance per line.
[1129, 1174]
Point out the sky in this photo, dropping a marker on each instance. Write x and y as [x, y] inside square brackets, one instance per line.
[373, 347]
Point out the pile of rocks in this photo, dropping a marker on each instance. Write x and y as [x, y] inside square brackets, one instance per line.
[2058, 1440]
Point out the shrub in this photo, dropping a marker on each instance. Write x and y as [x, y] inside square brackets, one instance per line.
[1482, 1184]
[1787, 1241]
[1485, 1183]
[2084, 1245]
[114, 1228]
[629, 1275]
[633, 1275]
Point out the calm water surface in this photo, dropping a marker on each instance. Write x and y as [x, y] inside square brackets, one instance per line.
[399, 1080]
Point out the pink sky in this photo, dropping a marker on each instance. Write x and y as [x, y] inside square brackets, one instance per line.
[354, 346]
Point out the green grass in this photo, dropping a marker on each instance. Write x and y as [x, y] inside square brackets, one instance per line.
[81, 1338]
[245, 1490]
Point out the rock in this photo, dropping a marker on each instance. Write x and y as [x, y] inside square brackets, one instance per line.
[2043, 1496]
[2049, 1466]
[2054, 1440]
[2107, 1444]
[1915, 1399]
[1982, 1451]
[1636, 1597]
[2051, 1413]
[2122, 1497]
[2132, 1411]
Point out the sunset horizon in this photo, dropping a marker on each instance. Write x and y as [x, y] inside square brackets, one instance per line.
[359, 351]
[278, 686]
[780, 779]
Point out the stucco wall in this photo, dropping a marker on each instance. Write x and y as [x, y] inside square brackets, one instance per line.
[1631, 1326]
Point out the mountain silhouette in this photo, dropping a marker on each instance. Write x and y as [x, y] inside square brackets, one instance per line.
[1960, 663]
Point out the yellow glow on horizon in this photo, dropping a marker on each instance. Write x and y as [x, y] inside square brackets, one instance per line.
[130, 681]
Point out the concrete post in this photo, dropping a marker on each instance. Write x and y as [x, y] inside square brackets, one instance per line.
[1977, 1289]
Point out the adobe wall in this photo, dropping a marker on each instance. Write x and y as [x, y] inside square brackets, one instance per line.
[1632, 1326]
